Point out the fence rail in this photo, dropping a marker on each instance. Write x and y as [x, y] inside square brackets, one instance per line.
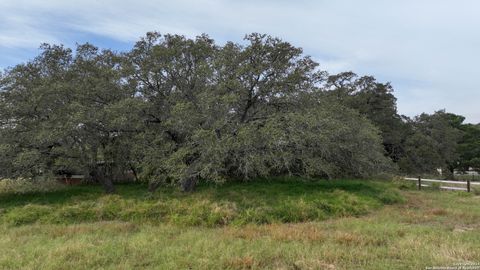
[421, 183]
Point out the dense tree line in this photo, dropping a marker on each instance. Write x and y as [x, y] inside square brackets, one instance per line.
[174, 110]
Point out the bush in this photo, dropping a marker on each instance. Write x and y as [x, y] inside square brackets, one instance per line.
[25, 185]
[391, 197]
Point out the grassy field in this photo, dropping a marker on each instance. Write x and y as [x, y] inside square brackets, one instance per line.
[345, 224]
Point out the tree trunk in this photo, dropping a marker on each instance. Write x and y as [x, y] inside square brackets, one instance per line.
[100, 175]
[134, 173]
[108, 186]
[189, 184]
[450, 175]
[107, 182]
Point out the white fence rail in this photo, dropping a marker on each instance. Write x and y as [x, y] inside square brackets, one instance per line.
[421, 183]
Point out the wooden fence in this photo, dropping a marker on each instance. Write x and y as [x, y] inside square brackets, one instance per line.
[466, 185]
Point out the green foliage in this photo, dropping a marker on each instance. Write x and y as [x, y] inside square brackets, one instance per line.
[432, 144]
[419, 145]
[375, 101]
[469, 147]
[180, 111]
[24, 186]
[176, 110]
[66, 113]
[244, 112]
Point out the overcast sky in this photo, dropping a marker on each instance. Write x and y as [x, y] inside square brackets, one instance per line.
[428, 49]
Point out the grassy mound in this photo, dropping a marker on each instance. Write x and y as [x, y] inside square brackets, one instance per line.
[258, 202]
[431, 228]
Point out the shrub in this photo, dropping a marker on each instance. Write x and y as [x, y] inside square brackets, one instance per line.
[28, 185]
[390, 196]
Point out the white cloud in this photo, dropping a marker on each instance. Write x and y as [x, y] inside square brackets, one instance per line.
[427, 49]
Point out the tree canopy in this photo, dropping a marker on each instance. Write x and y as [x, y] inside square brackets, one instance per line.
[175, 110]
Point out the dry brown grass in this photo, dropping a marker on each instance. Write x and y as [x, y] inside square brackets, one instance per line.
[437, 212]
[246, 262]
[279, 232]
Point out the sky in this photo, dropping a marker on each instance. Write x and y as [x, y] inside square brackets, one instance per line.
[427, 49]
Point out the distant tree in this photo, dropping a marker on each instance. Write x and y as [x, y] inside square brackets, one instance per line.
[432, 143]
[375, 101]
[421, 153]
[469, 147]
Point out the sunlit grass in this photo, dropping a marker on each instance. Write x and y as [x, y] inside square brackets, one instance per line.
[429, 228]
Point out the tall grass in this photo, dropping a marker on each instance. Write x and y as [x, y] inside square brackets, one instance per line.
[429, 229]
[260, 202]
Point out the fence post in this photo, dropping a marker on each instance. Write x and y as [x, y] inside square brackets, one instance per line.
[419, 183]
[468, 184]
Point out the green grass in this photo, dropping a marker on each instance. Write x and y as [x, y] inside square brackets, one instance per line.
[260, 202]
[356, 225]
